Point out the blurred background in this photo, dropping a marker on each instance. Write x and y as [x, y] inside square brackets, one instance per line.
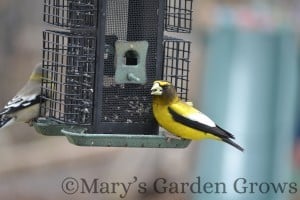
[244, 75]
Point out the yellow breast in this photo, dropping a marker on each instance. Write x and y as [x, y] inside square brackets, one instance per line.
[165, 120]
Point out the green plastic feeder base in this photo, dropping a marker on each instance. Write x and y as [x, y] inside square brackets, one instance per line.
[48, 127]
[78, 136]
[121, 140]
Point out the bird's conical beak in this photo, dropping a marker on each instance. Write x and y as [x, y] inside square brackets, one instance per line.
[156, 89]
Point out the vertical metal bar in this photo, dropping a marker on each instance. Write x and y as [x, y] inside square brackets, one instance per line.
[44, 13]
[99, 68]
[180, 9]
[160, 34]
[188, 69]
[190, 17]
[177, 57]
[166, 60]
[63, 14]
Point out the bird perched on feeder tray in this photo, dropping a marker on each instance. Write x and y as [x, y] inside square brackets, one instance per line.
[182, 119]
[25, 105]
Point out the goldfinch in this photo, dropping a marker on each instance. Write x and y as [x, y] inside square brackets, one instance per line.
[25, 105]
[182, 119]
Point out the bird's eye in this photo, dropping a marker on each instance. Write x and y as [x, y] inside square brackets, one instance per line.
[165, 87]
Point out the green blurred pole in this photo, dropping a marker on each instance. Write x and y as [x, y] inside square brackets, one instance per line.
[286, 103]
[249, 86]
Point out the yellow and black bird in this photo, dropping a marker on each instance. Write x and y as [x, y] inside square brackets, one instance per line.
[182, 119]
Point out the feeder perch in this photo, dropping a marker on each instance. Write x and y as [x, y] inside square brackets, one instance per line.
[99, 63]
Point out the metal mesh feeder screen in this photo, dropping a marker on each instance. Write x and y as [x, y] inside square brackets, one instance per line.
[68, 77]
[98, 71]
[176, 65]
[76, 14]
[178, 17]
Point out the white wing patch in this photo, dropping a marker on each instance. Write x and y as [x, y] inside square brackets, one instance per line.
[201, 118]
[20, 101]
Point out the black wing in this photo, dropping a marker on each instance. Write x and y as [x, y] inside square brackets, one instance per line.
[217, 131]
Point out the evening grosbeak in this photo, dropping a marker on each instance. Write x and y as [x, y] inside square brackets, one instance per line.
[182, 119]
[25, 105]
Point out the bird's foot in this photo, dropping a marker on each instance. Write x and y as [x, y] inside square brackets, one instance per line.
[169, 136]
[30, 123]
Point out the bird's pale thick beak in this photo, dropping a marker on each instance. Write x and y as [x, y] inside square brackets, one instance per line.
[156, 89]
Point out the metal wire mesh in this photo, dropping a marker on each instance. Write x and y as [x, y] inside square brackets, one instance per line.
[178, 16]
[176, 65]
[69, 61]
[78, 14]
[130, 20]
[68, 75]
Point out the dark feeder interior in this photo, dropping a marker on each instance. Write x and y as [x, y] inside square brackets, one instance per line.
[99, 67]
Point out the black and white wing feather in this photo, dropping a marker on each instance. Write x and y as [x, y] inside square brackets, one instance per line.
[210, 127]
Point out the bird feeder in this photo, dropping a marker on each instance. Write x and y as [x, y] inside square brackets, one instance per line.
[99, 63]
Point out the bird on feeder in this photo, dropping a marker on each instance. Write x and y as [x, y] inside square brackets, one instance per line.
[25, 105]
[182, 119]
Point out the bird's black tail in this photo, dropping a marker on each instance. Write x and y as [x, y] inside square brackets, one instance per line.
[229, 141]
